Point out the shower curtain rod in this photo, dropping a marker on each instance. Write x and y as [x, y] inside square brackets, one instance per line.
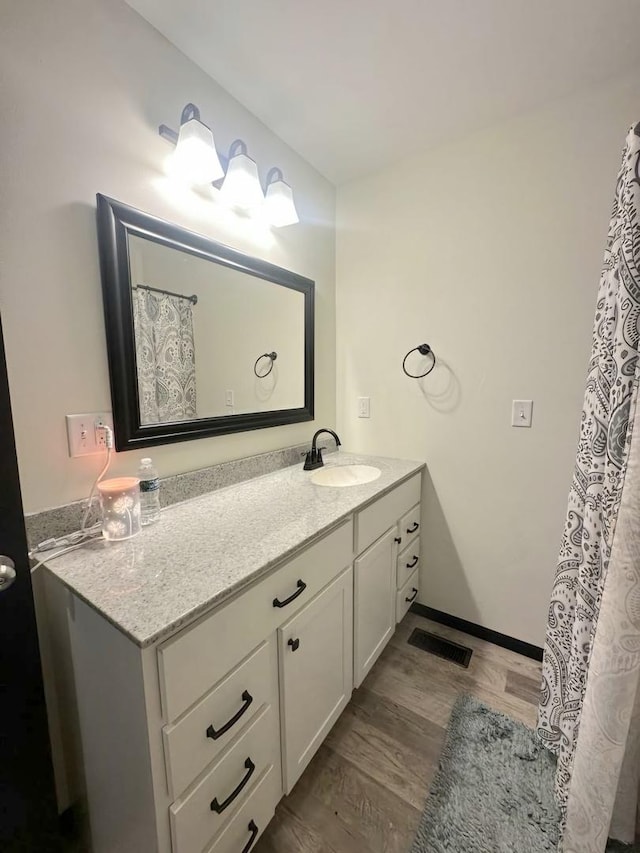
[192, 299]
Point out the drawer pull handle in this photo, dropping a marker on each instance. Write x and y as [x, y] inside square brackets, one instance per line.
[253, 829]
[301, 588]
[294, 644]
[247, 699]
[413, 527]
[398, 539]
[220, 807]
[413, 562]
[411, 597]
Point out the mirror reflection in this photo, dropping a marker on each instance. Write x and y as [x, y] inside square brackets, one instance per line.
[211, 340]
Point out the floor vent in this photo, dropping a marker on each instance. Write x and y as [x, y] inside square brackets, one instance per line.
[446, 649]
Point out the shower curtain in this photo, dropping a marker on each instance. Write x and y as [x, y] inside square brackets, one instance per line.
[165, 356]
[589, 711]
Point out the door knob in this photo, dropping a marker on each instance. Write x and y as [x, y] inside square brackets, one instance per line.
[7, 572]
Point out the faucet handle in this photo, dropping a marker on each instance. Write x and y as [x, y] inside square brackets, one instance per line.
[307, 452]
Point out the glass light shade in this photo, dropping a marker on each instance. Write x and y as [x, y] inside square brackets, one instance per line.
[279, 208]
[195, 159]
[241, 187]
[120, 505]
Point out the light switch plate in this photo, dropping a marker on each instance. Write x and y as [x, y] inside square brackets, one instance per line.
[521, 413]
[82, 434]
[364, 407]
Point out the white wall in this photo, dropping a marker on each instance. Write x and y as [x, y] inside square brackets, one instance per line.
[85, 84]
[488, 249]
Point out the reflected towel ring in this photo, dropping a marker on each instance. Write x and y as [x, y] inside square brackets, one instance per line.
[272, 357]
[423, 349]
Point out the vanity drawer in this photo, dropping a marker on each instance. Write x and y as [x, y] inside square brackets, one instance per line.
[197, 817]
[409, 526]
[194, 741]
[198, 657]
[242, 832]
[408, 562]
[384, 513]
[407, 595]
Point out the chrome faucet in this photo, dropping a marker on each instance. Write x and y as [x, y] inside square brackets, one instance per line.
[314, 456]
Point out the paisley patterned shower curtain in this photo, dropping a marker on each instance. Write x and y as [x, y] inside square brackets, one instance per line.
[590, 704]
[165, 355]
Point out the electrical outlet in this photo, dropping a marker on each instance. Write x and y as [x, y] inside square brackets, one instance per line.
[364, 407]
[83, 433]
[105, 420]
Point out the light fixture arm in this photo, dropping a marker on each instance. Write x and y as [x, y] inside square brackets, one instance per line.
[168, 133]
[274, 174]
[238, 146]
[190, 111]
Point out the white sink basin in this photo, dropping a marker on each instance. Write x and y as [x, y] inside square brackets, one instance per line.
[345, 475]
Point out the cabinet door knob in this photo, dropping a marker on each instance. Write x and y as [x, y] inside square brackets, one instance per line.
[413, 527]
[253, 829]
[301, 585]
[398, 539]
[214, 734]
[413, 562]
[294, 644]
[411, 597]
[220, 807]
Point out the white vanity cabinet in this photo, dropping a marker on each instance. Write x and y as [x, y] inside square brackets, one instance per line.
[184, 740]
[382, 529]
[190, 742]
[374, 595]
[408, 563]
[316, 673]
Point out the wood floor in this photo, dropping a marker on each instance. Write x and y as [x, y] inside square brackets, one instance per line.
[366, 787]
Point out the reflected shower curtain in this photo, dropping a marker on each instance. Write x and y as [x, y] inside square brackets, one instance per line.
[165, 356]
[589, 711]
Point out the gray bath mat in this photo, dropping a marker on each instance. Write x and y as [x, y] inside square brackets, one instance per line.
[493, 792]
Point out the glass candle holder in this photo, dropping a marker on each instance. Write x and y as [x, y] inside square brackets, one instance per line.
[120, 505]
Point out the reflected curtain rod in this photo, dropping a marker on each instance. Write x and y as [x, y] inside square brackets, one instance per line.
[192, 299]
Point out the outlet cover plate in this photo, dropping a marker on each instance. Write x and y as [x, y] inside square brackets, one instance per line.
[364, 407]
[83, 437]
[521, 413]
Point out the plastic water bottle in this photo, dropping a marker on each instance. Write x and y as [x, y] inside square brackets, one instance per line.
[149, 492]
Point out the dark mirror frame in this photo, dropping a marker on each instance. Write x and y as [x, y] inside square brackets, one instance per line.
[115, 222]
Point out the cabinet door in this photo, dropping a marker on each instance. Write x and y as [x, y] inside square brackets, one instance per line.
[315, 651]
[375, 597]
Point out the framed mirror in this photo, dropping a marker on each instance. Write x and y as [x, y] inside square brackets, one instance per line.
[201, 339]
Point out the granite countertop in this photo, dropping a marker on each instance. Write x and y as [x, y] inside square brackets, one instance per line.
[205, 549]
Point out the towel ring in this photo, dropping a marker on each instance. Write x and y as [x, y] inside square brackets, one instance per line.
[423, 349]
[272, 357]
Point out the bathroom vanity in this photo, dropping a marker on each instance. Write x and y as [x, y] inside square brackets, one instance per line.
[213, 653]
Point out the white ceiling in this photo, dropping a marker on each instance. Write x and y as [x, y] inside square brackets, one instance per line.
[352, 84]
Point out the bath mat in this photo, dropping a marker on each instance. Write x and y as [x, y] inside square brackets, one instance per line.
[493, 792]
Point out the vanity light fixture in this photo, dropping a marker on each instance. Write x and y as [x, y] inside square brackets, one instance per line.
[195, 158]
[279, 208]
[241, 186]
[196, 161]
